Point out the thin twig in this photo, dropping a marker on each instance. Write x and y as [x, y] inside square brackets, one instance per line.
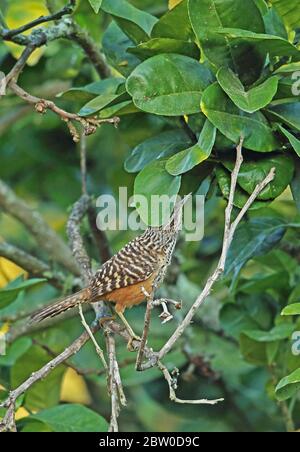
[89, 124]
[44, 235]
[229, 231]
[172, 382]
[147, 321]
[7, 35]
[92, 337]
[8, 422]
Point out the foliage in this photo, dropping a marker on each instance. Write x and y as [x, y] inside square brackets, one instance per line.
[187, 83]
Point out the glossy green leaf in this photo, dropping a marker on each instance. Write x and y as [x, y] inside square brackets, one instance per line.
[154, 180]
[267, 44]
[253, 238]
[174, 24]
[288, 386]
[249, 101]
[115, 44]
[160, 146]
[278, 333]
[9, 294]
[135, 23]
[289, 11]
[71, 418]
[274, 24]
[291, 309]
[234, 320]
[253, 352]
[100, 102]
[169, 84]
[234, 123]
[96, 5]
[294, 142]
[207, 16]
[253, 171]
[88, 92]
[186, 160]
[288, 113]
[241, 197]
[157, 46]
[288, 68]
[15, 351]
[122, 108]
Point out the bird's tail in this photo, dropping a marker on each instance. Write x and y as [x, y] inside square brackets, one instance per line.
[83, 296]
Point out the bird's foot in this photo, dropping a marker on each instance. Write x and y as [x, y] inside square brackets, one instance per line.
[108, 318]
[133, 338]
[166, 316]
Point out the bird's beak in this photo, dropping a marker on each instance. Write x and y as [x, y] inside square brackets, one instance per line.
[175, 221]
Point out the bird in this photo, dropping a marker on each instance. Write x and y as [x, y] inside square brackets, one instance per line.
[125, 280]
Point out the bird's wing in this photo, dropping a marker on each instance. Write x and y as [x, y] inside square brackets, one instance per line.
[130, 266]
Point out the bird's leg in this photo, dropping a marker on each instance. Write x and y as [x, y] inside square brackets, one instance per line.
[166, 316]
[132, 334]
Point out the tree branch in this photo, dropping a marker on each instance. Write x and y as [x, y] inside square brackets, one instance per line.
[230, 228]
[45, 236]
[31, 264]
[7, 35]
[8, 422]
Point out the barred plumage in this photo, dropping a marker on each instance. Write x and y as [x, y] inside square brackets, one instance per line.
[138, 267]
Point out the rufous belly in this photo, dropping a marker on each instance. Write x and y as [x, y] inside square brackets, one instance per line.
[127, 297]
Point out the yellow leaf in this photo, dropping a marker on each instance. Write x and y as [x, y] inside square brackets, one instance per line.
[74, 389]
[4, 329]
[173, 3]
[21, 413]
[9, 271]
[19, 13]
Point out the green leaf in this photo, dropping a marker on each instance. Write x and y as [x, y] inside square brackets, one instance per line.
[291, 309]
[115, 44]
[274, 24]
[9, 294]
[294, 142]
[154, 180]
[254, 171]
[174, 24]
[253, 352]
[278, 333]
[241, 197]
[208, 16]
[288, 68]
[123, 108]
[169, 84]
[289, 10]
[266, 44]
[88, 92]
[288, 386]
[234, 123]
[15, 351]
[157, 46]
[71, 418]
[288, 113]
[96, 5]
[249, 101]
[234, 320]
[103, 101]
[252, 239]
[160, 146]
[186, 160]
[136, 24]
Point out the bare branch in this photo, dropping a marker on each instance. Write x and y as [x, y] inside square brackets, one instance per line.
[31, 264]
[7, 35]
[89, 125]
[172, 382]
[141, 352]
[8, 422]
[45, 236]
[230, 228]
